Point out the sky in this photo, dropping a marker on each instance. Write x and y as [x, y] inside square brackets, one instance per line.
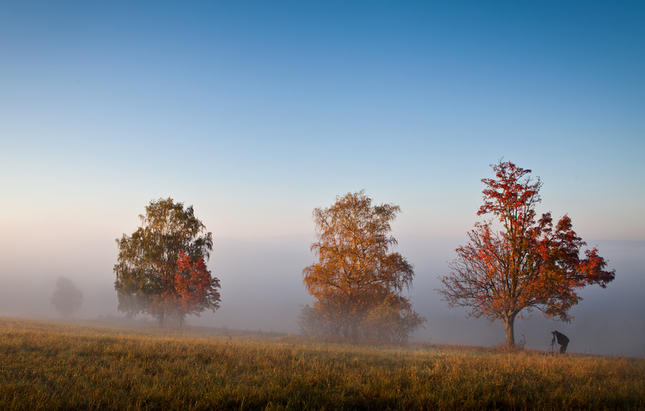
[258, 112]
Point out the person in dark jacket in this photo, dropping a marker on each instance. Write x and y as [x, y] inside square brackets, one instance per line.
[562, 340]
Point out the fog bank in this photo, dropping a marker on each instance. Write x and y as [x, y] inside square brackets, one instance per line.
[262, 290]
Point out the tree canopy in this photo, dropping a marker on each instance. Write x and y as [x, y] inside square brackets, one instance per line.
[161, 267]
[525, 264]
[357, 281]
[67, 299]
[190, 290]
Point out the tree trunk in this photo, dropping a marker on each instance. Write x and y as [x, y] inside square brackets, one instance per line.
[509, 327]
[161, 319]
[354, 330]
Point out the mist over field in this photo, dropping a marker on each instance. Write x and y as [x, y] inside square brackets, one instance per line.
[262, 291]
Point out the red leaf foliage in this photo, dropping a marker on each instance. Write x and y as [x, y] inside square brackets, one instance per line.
[188, 289]
[526, 264]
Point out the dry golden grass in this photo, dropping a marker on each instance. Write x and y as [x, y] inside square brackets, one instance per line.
[47, 366]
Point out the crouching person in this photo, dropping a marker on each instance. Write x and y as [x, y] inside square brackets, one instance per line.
[562, 340]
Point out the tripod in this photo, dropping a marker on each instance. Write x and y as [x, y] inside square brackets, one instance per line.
[552, 347]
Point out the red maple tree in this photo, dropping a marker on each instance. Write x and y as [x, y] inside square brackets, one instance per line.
[525, 264]
[188, 289]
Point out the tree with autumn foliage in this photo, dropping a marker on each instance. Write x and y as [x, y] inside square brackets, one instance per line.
[161, 267]
[189, 290]
[514, 263]
[357, 281]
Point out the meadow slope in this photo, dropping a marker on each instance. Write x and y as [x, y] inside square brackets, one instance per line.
[56, 366]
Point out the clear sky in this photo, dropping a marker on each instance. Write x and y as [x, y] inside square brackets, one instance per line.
[258, 112]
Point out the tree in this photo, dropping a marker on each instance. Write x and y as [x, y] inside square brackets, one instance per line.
[67, 299]
[160, 264]
[357, 281]
[525, 264]
[191, 290]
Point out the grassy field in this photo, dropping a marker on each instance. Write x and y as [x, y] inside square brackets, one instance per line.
[49, 365]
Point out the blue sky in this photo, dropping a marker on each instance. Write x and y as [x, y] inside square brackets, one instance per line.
[258, 112]
[271, 109]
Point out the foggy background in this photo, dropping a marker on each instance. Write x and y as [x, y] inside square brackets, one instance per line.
[262, 291]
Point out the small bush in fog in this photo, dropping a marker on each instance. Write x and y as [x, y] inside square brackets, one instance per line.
[67, 299]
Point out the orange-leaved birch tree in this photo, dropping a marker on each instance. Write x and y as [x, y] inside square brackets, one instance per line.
[357, 275]
[525, 264]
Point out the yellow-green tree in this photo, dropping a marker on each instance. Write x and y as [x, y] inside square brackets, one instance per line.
[148, 270]
[358, 280]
